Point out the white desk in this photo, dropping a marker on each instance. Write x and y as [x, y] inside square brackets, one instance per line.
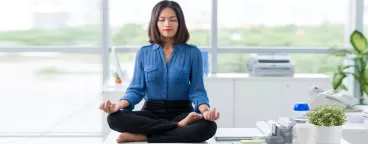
[111, 139]
[356, 133]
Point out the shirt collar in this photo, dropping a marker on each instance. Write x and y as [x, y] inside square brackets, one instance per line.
[156, 46]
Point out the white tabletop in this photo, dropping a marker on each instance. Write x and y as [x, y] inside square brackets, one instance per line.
[111, 139]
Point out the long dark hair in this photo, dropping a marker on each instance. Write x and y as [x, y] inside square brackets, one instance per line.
[181, 36]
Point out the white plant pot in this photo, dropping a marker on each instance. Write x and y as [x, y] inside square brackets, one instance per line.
[328, 135]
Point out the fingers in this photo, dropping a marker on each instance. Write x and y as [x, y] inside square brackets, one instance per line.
[218, 116]
[106, 106]
[212, 115]
[102, 106]
[113, 107]
[207, 116]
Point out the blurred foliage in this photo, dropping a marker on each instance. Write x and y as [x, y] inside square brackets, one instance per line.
[87, 35]
[50, 70]
[324, 35]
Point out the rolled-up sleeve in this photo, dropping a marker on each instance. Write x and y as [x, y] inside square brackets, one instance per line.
[197, 91]
[136, 90]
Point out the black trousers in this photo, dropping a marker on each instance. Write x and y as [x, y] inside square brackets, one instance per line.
[158, 121]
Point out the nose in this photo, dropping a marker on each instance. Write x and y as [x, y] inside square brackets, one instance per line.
[167, 23]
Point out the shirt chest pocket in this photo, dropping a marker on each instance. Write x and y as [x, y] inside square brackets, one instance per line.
[151, 74]
[181, 75]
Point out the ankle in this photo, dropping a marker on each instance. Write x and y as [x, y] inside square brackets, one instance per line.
[180, 124]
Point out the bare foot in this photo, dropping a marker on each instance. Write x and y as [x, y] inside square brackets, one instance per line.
[191, 118]
[129, 137]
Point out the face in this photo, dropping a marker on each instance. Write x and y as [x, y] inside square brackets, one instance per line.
[167, 23]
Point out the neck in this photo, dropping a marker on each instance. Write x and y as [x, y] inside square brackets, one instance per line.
[168, 43]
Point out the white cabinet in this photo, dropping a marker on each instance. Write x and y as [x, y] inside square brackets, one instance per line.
[255, 101]
[245, 100]
[296, 90]
[221, 95]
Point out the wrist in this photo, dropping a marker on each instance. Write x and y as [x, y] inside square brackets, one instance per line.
[205, 110]
[123, 104]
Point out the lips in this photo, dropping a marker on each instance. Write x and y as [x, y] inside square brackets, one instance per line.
[167, 30]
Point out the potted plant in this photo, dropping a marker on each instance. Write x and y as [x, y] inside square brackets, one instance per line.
[359, 56]
[117, 78]
[328, 121]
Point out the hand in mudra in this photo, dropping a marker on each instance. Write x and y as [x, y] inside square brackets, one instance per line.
[109, 107]
[211, 115]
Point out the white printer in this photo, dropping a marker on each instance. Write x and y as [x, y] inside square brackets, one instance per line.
[270, 65]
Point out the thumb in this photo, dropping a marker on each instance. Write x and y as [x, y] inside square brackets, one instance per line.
[108, 102]
[115, 107]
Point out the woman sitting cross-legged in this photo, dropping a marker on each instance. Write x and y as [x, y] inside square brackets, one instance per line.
[168, 74]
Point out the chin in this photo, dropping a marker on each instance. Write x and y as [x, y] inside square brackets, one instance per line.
[168, 36]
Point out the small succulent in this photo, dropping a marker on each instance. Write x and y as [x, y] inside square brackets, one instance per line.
[327, 116]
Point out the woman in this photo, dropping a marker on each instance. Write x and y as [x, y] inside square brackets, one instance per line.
[168, 73]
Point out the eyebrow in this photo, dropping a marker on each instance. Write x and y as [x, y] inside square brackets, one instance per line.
[169, 17]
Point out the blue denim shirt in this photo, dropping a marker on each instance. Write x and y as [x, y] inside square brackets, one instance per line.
[179, 79]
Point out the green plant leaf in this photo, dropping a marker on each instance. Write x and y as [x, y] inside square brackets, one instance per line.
[366, 77]
[357, 77]
[342, 86]
[359, 42]
[343, 67]
[365, 89]
[337, 80]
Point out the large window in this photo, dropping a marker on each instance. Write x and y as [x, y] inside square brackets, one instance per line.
[129, 21]
[286, 23]
[50, 23]
[40, 89]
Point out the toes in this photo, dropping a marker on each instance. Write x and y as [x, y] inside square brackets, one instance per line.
[118, 140]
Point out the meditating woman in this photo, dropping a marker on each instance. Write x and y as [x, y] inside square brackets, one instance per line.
[168, 74]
